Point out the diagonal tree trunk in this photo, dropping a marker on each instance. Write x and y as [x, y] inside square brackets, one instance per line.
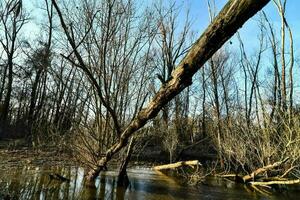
[230, 19]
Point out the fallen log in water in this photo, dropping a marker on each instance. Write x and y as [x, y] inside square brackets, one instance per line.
[252, 179]
[287, 182]
[251, 176]
[191, 163]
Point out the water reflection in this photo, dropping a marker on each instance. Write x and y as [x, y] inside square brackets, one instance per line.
[35, 183]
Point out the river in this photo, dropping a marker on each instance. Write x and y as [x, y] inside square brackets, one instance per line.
[35, 183]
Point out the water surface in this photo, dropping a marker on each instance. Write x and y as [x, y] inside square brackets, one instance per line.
[35, 183]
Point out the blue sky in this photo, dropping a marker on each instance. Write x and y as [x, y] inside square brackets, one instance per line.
[249, 31]
[199, 14]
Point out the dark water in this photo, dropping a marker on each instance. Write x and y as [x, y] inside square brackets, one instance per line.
[35, 183]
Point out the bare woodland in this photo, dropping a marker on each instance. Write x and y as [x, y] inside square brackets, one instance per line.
[107, 79]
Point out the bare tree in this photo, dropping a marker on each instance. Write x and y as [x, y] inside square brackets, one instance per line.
[13, 18]
[171, 44]
[233, 15]
[281, 6]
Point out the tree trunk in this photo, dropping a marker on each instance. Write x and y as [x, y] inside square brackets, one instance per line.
[123, 180]
[203, 125]
[3, 80]
[231, 18]
[33, 96]
[6, 104]
[214, 78]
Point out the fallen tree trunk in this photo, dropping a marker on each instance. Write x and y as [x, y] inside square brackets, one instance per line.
[287, 182]
[234, 14]
[251, 176]
[178, 164]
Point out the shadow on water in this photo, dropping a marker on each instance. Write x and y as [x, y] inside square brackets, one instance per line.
[36, 183]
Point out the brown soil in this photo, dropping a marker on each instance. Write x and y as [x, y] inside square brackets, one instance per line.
[31, 157]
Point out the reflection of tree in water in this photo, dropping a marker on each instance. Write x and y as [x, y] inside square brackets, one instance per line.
[35, 183]
[29, 183]
[120, 193]
[38, 183]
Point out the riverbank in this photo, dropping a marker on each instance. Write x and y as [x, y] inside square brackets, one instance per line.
[32, 157]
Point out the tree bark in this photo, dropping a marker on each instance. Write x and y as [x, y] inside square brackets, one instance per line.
[230, 19]
[9, 89]
[123, 180]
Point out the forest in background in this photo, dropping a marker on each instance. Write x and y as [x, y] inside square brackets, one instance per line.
[97, 64]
